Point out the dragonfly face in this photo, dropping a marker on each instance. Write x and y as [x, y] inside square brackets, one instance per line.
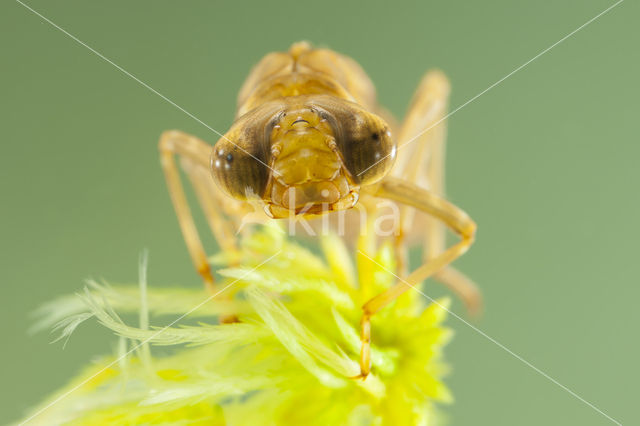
[305, 158]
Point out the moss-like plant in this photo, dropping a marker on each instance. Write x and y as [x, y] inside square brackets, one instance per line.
[288, 361]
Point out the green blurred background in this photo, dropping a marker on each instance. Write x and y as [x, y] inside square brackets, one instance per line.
[546, 162]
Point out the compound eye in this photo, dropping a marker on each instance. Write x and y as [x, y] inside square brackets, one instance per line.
[367, 149]
[240, 173]
[240, 159]
[363, 139]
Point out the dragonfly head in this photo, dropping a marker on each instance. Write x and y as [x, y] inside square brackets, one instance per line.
[306, 158]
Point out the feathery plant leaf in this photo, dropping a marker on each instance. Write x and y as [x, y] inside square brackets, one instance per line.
[288, 360]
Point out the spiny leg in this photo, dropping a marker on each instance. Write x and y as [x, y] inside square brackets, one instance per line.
[423, 165]
[422, 132]
[435, 233]
[177, 143]
[457, 220]
[210, 200]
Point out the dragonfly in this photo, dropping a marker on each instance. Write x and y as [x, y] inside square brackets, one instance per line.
[309, 138]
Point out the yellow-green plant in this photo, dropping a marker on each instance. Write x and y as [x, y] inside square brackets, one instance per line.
[288, 361]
